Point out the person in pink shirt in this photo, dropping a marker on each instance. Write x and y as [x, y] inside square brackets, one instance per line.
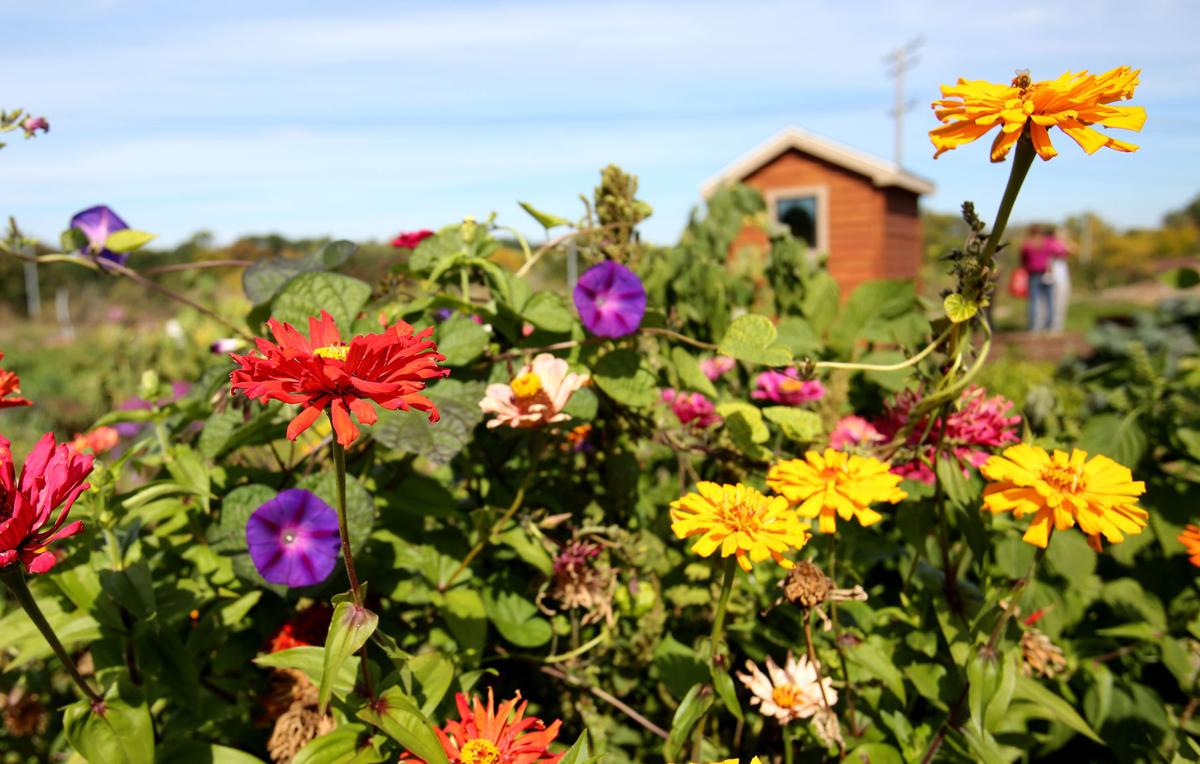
[1038, 251]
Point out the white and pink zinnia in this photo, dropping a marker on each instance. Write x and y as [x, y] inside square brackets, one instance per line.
[535, 397]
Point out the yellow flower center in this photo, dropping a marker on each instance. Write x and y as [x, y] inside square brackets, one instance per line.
[527, 385]
[336, 352]
[786, 695]
[1062, 479]
[742, 516]
[479, 751]
[791, 385]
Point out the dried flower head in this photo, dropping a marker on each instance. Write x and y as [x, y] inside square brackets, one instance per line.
[1041, 656]
[582, 581]
[24, 714]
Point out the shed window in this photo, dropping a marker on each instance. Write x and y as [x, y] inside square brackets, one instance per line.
[799, 214]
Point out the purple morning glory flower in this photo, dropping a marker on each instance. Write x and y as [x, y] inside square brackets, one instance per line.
[611, 300]
[97, 223]
[293, 539]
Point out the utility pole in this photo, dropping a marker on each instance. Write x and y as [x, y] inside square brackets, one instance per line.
[900, 60]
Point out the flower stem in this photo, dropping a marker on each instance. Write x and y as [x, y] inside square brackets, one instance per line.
[718, 629]
[1022, 160]
[816, 667]
[789, 745]
[14, 579]
[339, 467]
[1015, 596]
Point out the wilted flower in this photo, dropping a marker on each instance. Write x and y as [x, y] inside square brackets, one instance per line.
[738, 520]
[1072, 103]
[301, 722]
[97, 441]
[969, 433]
[611, 299]
[10, 389]
[489, 735]
[52, 476]
[410, 239]
[786, 388]
[691, 408]
[853, 431]
[293, 539]
[717, 366]
[1060, 489]
[788, 693]
[97, 224]
[581, 582]
[535, 397]
[807, 587]
[1190, 538]
[32, 124]
[832, 484]
[321, 373]
[1041, 656]
[24, 714]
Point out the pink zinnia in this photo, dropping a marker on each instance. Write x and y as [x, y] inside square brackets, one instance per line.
[787, 388]
[410, 239]
[979, 426]
[853, 431]
[717, 366]
[52, 476]
[691, 408]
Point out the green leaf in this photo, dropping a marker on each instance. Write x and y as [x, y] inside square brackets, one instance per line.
[336, 747]
[400, 718]
[308, 294]
[544, 219]
[411, 431]
[433, 674]
[517, 619]
[1181, 278]
[190, 752]
[1117, 437]
[311, 660]
[797, 424]
[746, 428]
[578, 753]
[582, 404]
[690, 375]
[624, 377]
[723, 683]
[691, 709]
[751, 339]
[799, 335]
[547, 310]
[330, 256]
[127, 240]
[120, 734]
[466, 617]
[1052, 706]
[875, 753]
[73, 240]
[349, 630]
[959, 309]
[879, 666]
[461, 340]
[265, 277]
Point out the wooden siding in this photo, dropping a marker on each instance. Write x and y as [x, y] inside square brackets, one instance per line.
[873, 233]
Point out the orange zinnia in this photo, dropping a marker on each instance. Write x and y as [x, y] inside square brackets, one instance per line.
[319, 372]
[1190, 538]
[490, 735]
[10, 385]
[1072, 103]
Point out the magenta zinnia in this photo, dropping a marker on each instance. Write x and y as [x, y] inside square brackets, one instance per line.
[51, 477]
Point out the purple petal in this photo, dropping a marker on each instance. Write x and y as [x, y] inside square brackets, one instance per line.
[611, 300]
[97, 223]
[293, 538]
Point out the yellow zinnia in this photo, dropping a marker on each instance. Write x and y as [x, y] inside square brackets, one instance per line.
[1072, 103]
[738, 520]
[834, 483]
[1098, 493]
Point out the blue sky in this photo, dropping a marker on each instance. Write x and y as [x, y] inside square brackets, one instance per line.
[358, 120]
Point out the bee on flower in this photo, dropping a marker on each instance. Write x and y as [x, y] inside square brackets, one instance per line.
[535, 397]
[1061, 490]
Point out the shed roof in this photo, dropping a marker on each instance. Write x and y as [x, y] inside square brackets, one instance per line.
[880, 171]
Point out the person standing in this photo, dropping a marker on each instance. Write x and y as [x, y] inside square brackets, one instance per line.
[1035, 259]
[1060, 251]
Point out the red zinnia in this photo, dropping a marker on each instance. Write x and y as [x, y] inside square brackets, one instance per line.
[322, 373]
[10, 384]
[52, 476]
[410, 239]
[485, 736]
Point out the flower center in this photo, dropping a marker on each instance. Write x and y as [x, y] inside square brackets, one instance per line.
[791, 386]
[336, 352]
[527, 385]
[786, 695]
[1062, 479]
[289, 537]
[479, 751]
[740, 517]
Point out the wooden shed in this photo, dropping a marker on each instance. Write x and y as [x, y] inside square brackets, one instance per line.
[859, 210]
